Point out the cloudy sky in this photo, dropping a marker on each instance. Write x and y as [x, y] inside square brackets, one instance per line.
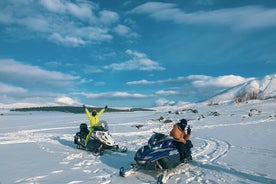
[133, 53]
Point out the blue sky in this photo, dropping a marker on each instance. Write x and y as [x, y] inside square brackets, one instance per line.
[131, 53]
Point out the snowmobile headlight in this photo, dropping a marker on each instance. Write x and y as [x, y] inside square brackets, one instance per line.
[138, 155]
[100, 133]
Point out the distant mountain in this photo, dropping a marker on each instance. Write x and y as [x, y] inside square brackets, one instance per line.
[261, 89]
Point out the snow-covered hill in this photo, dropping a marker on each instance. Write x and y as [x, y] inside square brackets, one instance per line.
[233, 143]
[254, 89]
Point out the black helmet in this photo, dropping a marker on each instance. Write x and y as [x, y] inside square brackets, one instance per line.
[94, 113]
[182, 124]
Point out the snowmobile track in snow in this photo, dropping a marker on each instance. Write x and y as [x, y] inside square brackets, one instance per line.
[206, 160]
[211, 150]
[206, 155]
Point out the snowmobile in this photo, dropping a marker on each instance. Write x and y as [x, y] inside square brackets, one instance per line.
[160, 154]
[100, 140]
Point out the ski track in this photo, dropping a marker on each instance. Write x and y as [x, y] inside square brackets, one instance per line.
[211, 150]
[207, 160]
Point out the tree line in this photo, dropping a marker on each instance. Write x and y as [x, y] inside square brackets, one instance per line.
[75, 109]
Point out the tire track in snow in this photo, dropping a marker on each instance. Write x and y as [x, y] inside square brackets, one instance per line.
[206, 160]
[243, 123]
[211, 150]
[29, 136]
[207, 154]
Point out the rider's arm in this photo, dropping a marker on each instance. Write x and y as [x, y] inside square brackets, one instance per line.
[187, 137]
[89, 117]
[87, 112]
[101, 112]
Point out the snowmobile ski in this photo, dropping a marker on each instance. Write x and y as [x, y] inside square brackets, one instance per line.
[161, 176]
[168, 173]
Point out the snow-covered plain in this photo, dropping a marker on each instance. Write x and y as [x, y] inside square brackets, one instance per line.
[233, 143]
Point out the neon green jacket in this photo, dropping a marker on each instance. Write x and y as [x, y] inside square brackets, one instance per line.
[94, 120]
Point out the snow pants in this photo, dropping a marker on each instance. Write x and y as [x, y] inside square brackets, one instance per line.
[184, 150]
[88, 135]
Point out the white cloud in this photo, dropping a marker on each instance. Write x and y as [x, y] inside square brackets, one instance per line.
[141, 64]
[21, 105]
[108, 17]
[92, 69]
[194, 87]
[136, 54]
[81, 36]
[221, 81]
[115, 95]
[63, 22]
[23, 84]
[139, 61]
[167, 81]
[80, 10]
[153, 7]
[66, 100]
[39, 24]
[93, 33]
[8, 89]
[54, 5]
[67, 40]
[247, 17]
[28, 75]
[167, 92]
[198, 81]
[32, 98]
[141, 82]
[163, 102]
[123, 30]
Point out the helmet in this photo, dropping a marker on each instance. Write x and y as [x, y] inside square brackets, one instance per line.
[182, 124]
[94, 112]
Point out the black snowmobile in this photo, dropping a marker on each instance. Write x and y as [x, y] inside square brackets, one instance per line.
[100, 140]
[159, 154]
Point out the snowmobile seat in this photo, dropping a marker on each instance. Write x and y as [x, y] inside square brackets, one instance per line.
[83, 130]
[83, 127]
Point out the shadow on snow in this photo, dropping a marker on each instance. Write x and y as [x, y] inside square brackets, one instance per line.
[234, 172]
[65, 142]
[117, 159]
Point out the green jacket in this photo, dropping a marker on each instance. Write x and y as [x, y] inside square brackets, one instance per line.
[94, 120]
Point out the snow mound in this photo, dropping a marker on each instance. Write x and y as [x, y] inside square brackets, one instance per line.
[255, 89]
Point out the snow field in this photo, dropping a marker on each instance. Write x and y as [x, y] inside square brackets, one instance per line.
[232, 147]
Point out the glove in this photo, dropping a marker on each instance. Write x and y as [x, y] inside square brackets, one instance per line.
[83, 106]
[189, 131]
[106, 107]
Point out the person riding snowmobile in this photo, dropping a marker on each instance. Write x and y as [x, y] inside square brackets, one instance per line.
[94, 120]
[182, 140]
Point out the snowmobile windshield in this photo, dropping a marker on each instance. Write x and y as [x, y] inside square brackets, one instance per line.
[156, 141]
[104, 124]
[156, 137]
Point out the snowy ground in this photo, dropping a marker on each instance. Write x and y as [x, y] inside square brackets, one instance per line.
[238, 146]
